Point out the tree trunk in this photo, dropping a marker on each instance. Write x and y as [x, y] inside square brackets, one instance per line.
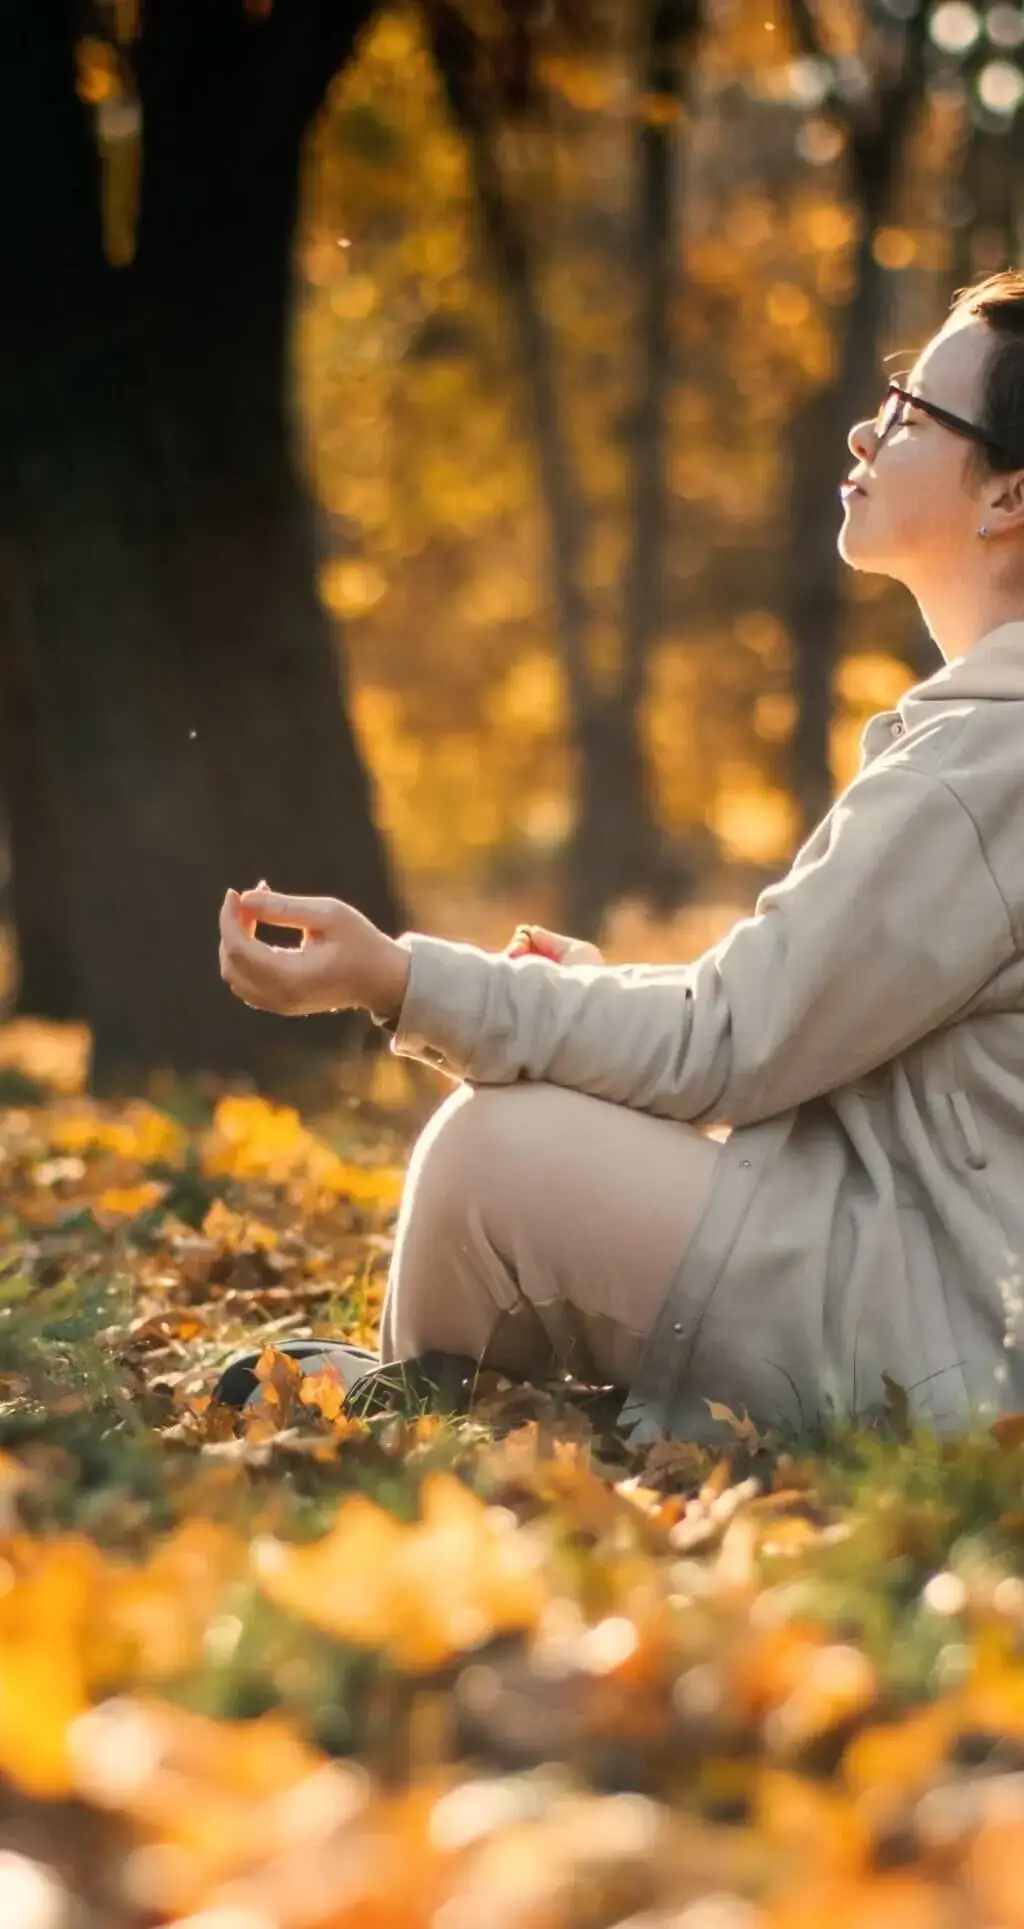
[47, 982]
[616, 846]
[458, 58]
[189, 676]
[623, 851]
[613, 852]
[877, 133]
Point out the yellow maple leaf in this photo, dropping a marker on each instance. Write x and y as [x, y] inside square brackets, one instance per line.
[129, 1202]
[251, 1138]
[379, 1186]
[325, 1390]
[43, 1680]
[153, 1618]
[237, 1231]
[375, 1583]
[342, 1583]
[141, 1135]
[146, 1136]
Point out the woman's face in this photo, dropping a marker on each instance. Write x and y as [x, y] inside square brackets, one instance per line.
[917, 502]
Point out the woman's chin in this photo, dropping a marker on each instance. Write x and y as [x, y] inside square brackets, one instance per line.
[854, 548]
[866, 560]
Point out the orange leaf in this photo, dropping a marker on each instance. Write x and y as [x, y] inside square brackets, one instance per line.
[995, 1873]
[43, 1677]
[280, 1379]
[770, 1669]
[369, 1186]
[129, 1202]
[809, 1818]
[161, 1328]
[325, 1390]
[420, 1593]
[900, 1901]
[900, 1755]
[1009, 1430]
[236, 1231]
[742, 1429]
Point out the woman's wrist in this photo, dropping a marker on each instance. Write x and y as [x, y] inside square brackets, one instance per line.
[393, 979]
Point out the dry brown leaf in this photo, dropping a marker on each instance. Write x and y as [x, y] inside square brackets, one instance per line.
[1009, 1430]
[673, 1463]
[740, 1426]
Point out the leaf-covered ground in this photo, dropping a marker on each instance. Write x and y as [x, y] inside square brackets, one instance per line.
[496, 1671]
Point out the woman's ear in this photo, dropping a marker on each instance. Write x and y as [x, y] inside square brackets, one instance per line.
[1005, 511]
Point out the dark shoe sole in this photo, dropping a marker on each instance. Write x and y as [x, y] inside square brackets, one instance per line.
[238, 1381]
[433, 1381]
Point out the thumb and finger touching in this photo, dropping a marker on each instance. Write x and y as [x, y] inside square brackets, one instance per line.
[248, 965]
[264, 906]
[534, 940]
[334, 966]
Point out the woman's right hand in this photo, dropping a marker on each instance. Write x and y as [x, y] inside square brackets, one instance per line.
[532, 940]
[343, 962]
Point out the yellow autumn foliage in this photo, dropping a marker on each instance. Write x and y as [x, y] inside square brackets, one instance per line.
[421, 1593]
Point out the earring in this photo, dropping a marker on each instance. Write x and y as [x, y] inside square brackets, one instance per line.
[983, 531]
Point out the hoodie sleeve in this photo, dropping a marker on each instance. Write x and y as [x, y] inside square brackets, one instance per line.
[885, 930]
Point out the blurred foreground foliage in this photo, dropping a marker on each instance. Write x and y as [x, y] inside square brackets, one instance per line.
[293, 1669]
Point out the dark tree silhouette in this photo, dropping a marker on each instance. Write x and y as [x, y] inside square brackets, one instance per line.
[174, 717]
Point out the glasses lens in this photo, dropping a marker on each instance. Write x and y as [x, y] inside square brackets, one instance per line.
[888, 414]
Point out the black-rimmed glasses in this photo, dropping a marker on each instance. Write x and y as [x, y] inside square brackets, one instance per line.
[898, 398]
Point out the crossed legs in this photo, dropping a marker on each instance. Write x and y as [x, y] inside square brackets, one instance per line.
[541, 1229]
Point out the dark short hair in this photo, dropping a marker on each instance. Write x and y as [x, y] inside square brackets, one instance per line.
[998, 301]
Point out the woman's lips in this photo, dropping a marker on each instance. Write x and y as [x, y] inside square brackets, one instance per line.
[848, 490]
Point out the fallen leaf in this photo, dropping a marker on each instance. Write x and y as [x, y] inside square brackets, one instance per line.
[280, 1377]
[420, 1593]
[741, 1427]
[897, 1405]
[1009, 1430]
[325, 1390]
[129, 1202]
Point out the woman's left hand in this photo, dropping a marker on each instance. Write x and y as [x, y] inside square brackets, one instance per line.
[531, 940]
[343, 963]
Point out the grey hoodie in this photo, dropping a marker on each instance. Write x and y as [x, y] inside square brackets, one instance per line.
[862, 1033]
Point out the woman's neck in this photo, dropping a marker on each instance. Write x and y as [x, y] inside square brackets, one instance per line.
[959, 615]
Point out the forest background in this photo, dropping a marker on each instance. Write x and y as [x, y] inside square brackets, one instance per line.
[420, 429]
[420, 434]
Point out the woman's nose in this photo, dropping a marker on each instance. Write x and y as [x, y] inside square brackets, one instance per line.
[861, 441]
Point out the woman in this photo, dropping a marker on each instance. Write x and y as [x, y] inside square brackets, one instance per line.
[862, 1034]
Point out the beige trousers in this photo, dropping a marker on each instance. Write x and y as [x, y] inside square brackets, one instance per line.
[541, 1229]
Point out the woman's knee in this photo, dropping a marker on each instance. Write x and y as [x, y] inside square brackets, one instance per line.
[468, 1144]
[446, 1284]
[467, 1183]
